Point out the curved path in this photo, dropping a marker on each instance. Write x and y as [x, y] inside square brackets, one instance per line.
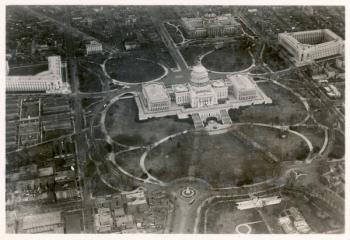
[233, 72]
[165, 69]
[185, 219]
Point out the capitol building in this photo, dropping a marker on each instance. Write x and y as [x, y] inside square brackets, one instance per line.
[200, 98]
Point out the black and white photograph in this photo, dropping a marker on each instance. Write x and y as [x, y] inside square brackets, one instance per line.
[174, 119]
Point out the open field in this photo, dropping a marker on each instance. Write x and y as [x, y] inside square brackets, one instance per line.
[224, 217]
[227, 59]
[73, 222]
[89, 82]
[130, 162]
[286, 108]
[273, 60]
[124, 127]
[288, 149]
[222, 160]
[314, 134]
[132, 70]
[175, 35]
[338, 150]
[192, 53]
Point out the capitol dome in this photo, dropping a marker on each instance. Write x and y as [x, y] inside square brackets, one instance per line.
[199, 76]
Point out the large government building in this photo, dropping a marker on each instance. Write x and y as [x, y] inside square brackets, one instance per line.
[200, 98]
[305, 47]
[50, 81]
[210, 25]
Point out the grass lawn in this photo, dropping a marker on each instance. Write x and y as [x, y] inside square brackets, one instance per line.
[323, 116]
[124, 127]
[314, 134]
[30, 109]
[273, 60]
[56, 133]
[192, 53]
[224, 217]
[175, 35]
[98, 188]
[132, 70]
[291, 148]
[222, 160]
[130, 162]
[86, 102]
[227, 59]
[286, 108]
[72, 222]
[88, 82]
[339, 146]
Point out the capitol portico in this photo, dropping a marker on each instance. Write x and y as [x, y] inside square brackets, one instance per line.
[200, 98]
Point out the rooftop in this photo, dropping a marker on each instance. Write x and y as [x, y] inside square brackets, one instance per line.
[243, 82]
[155, 91]
[40, 220]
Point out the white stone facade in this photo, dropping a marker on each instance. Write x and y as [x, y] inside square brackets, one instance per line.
[49, 81]
[243, 87]
[210, 25]
[93, 47]
[200, 97]
[155, 97]
[305, 47]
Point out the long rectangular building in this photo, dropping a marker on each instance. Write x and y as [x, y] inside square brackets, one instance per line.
[50, 81]
[210, 25]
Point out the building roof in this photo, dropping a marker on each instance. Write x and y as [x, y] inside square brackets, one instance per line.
[218, 83]
[242, 82]
[155, 92]
[41, 220]
[136, 198]
[126, 219]
[180, 88]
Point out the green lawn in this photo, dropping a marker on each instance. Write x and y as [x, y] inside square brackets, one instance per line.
[339, 146]
[224, 217]
[89, 82]
[222, 160]
[130, 162]
[291, 148]
[314, 134]
[124, 127]
[273, 60]
[286, 108]
[227, 59]
[191, 53]
[132, 70]
[175, 35]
